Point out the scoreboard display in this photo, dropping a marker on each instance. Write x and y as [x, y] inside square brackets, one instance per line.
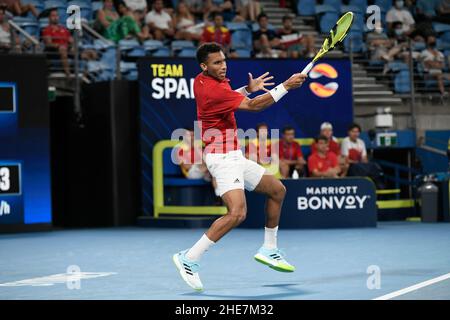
[25, 190]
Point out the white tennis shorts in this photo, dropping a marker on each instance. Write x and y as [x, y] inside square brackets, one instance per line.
[233, 171]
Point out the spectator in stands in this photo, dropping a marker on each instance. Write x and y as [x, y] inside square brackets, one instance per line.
[199, 8]
[401, 14]
[160, 22]
[57, 39]
[378, 43]
[5, 32]
[266, 41]
[326, 130]
[426, 9]
[105, 17]
[126, 27]
[249, 9]
[355, 150]
[258, 149]
[188, 154]
[295, 44]
[217, 33]
[353, 147]
[290, 154]
[433, 63]
[443, 12]
[184, 21]
[323, 162]
[19, 9]
[225, 7]
[399, 46]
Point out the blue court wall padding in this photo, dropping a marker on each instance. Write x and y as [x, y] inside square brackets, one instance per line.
[167, 101]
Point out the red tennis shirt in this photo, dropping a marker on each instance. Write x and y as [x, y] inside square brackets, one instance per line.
[216, 104]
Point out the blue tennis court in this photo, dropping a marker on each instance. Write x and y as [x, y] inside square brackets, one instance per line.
[135, 263]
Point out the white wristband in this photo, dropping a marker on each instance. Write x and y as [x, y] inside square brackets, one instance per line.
[278, 92]
[243, 91]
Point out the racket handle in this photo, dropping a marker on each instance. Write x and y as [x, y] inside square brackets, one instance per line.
[308, 68]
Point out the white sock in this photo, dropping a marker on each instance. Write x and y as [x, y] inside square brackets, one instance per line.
[198, 249]
[270, 238]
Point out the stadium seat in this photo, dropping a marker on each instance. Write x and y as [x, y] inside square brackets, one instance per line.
[128, 44]
[327, 21]
[233, 26]
[161, 52]
[357, 41]
[243, 53]
[402, 82]
[32, 28]
[441, 27]
[444, 40]
[384, 5]
[324, 8]
[361, 4]
[187, 52]
[306, 7]
[178, 45]
[336, 4]
[173, 176]
[242, 39]
[152, 45]
[96, 5]
[85, 8]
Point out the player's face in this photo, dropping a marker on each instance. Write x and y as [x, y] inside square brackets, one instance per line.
[215, 66]
[322, 146]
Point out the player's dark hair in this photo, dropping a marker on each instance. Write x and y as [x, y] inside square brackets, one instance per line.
[321, 137]
[205, 49]
[287, 128]
[353, 126]
[3, 8]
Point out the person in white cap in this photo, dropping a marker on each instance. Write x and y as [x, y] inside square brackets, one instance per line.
[326, 129]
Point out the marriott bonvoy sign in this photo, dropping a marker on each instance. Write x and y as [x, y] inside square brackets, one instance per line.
[332, 198]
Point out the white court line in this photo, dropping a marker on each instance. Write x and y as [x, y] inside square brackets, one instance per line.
[413, 288]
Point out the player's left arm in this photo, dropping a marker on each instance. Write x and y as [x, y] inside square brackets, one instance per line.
[267, 99]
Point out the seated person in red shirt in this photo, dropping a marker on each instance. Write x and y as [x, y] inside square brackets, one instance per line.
[290, 154]
[258, 149]
[217, 33]
[57, 39]
[326, 129]
[323, 162]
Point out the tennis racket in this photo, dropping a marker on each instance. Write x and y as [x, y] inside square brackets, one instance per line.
[337, 34]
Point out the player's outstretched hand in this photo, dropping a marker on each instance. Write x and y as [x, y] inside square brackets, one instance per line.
[259, 83]
[295, 81]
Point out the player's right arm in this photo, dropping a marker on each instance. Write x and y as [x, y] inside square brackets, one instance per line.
[267, 99]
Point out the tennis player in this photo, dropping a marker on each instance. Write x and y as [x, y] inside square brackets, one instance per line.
[216, 104]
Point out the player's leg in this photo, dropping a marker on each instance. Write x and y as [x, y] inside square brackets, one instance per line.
[237, 211]
[227, 171]
[275, 192]
[267, 184]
